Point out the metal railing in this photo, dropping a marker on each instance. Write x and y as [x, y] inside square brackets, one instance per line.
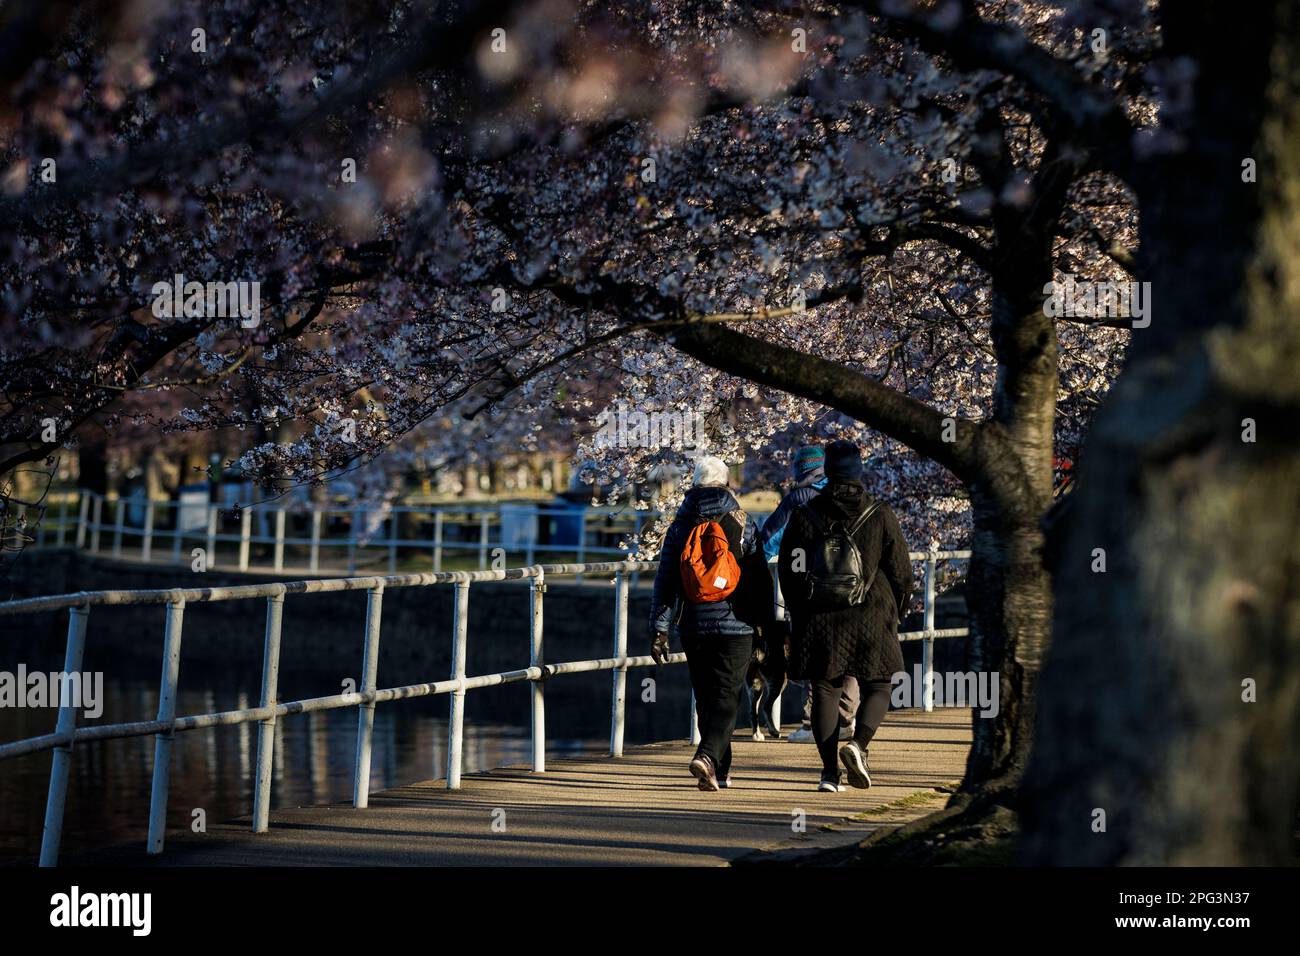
[99, 524]
[167, 724]
[270, 709]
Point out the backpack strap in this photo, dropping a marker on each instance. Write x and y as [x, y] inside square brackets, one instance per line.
[737, 515]
[861, 519]
[740, 520]
[823, 524]
[820, 524]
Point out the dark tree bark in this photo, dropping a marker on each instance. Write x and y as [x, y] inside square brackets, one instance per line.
[1144, 708]
[92, 460]
[1007, 587]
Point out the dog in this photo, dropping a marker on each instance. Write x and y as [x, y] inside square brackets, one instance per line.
[765, 677]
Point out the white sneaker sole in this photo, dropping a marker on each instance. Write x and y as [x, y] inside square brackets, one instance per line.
[699, 772]
[855, 767]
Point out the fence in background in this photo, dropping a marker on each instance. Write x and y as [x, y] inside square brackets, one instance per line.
[166, 724]
[272, 537]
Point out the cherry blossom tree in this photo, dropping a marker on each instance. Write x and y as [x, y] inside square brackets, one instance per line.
[797, 221]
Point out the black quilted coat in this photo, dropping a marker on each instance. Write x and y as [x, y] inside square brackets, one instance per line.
[860, 641]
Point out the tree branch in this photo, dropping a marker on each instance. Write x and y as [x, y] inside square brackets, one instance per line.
[909, 420]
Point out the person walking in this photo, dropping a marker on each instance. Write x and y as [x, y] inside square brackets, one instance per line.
[694, 591]
[807, 468]
[846, 576]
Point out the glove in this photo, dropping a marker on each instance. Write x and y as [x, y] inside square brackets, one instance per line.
[659, 648]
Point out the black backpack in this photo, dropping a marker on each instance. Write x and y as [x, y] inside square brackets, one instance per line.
[835, 578]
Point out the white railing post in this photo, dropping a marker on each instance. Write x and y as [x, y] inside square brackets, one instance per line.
[695, 722]
[279, 539]
[353, 532]
[97, 516]
[146, 546]
[57, 798]
[392, 542]
[535, 659]
[119, 525]
[456, 723]
[211, 540]
[176, 531]
[162, 749]
[266, 726]
[63, 523]
[366, 711]
[927, 643]
[313, 559]
[582, 541]
[636, 544]
[778, 614]
[482, 539]
[245, 532]
[618, 699]
[83, 510]
[437, 541]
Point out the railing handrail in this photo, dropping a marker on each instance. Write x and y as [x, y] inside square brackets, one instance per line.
[243, 592]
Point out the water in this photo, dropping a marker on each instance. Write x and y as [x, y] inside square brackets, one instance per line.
[212, 768]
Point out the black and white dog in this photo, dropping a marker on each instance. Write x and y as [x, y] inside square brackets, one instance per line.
[765, 677]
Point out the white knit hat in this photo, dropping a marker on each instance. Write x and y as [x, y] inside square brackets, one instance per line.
[710, 471]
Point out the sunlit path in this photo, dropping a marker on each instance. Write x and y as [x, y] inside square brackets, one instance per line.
[641, 809]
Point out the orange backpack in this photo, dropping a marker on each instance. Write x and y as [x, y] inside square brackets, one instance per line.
[709, 570]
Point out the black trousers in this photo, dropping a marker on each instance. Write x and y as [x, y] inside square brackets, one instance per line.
[872, 707]
[717, 665]
[848, 703]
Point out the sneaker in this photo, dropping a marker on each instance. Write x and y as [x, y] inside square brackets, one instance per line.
[702, 770]
[846, 730]
[826, 785]
[803, 735]
[855, 763]
[725, 783]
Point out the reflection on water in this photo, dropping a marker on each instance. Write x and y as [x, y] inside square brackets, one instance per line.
[212, 768]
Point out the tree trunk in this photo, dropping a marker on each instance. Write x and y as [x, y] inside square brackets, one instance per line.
[92, 460]
[1170, 706]
[1009, 597]
[1007, 588]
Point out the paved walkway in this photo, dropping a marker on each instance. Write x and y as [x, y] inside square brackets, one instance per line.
[643, 809]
